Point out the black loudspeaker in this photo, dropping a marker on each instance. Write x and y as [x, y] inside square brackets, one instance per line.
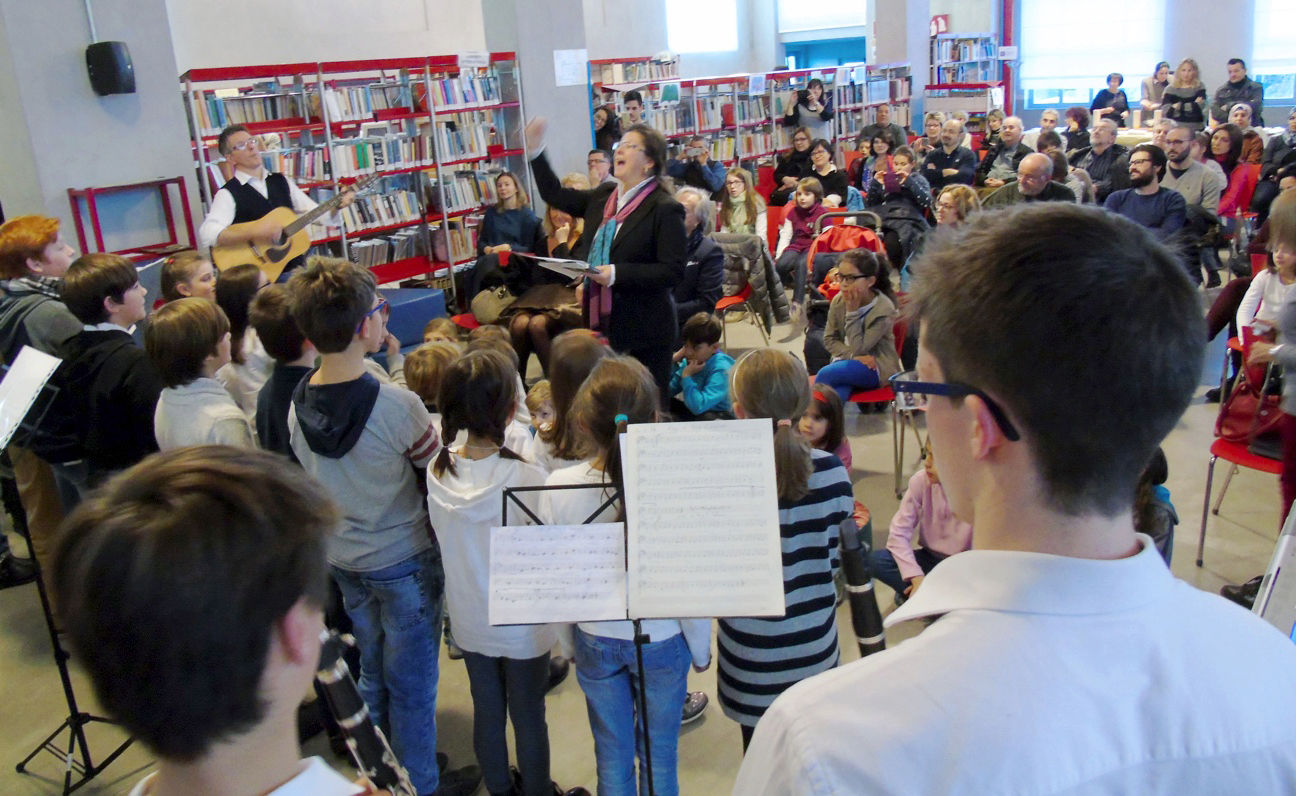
[110, 68]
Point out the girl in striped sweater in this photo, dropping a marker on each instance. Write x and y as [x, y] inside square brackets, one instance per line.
[761, 658]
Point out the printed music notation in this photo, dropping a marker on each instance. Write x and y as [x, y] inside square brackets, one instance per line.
[557, 573]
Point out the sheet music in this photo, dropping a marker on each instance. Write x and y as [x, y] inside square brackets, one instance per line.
[557, 573]
[568, 268]
[30, 370]
[702, 506]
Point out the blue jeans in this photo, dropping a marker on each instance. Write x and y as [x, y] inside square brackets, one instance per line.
[847, 376]
[608, 674]
[885, 569]
[396, 618]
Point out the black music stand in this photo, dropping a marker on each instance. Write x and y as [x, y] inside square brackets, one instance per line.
[75, 755]
[640, 639]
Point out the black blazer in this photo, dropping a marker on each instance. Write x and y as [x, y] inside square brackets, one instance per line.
[649, 253]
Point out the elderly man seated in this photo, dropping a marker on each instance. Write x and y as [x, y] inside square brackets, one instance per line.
[1034, 184]
[1000, 164]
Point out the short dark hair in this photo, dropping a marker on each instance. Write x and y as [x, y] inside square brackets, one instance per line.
[93, 278]
[222, 141]
[1157, 154]
[330, 298]
[995, 292]
[271, 315]
[904, 152]
[602, 152]
[180, 335]
[1061, 168]
[171, 579]
[702, 328]
[654, 145]
[1079, 114]
[822, 142]
[234, 293]
[1237, 61]
[632, 95]
[1048, 138]
[1120, 79]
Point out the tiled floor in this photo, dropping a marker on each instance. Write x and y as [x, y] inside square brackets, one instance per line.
[1239, 544]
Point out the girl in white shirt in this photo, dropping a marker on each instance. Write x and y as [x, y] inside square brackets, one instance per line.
[249, 366]
[1268, 290]
[508, 665]
[620, 391]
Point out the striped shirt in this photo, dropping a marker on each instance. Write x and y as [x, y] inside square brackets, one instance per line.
[761, 658]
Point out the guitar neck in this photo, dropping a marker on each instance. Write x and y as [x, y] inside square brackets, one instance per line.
[324, 208]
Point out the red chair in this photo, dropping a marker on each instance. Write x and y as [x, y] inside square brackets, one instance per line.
[734, 303]
[1237, 455]
[885, 394]
[774, 218]
[1259, 262]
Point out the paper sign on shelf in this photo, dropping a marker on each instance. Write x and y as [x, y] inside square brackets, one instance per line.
[756, 85]
[471, 59]
[1008, 53]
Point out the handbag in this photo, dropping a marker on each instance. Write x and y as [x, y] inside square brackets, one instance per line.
[1248, 412]
[488, 305]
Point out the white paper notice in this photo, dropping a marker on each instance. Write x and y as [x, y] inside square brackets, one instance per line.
[20, 386]
[557, 573]
[571, 67]
[702, 507]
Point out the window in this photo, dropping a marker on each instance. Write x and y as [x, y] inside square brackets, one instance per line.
[1067, 51]
[1273, 60]
[702, 27]
[797, 15]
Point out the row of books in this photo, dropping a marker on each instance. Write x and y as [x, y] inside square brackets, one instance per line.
[711, 112]
[464, 190]
[467, 135]
[634, 71]
[359, 156]
[723, 148]
[462, 245]
[219, 108]
[671, 120]
[755, 109]
[465, 90]
[980, 72]
[400, 245]
[380, 210]
[347, 103]
[755, 143]
[970, 49]
[299, 165]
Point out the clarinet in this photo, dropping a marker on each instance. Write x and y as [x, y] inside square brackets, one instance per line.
[369, 747]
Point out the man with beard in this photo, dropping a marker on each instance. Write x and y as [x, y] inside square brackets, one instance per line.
[1161, 210]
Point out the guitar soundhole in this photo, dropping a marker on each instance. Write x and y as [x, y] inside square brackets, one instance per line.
[276, 253]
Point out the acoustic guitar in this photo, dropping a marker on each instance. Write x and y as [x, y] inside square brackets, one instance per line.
[292, 243]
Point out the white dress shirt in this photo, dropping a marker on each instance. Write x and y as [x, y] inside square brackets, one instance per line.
[221, 214]
[1045, 674]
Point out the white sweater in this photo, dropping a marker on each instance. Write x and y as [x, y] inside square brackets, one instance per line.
[200, 413]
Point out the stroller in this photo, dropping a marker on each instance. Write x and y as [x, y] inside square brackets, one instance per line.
[828, 246]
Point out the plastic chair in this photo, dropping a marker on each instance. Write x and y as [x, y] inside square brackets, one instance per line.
[1259, 262]
[734, 303]
[775, 215]
[885, 394]
[1237, 455]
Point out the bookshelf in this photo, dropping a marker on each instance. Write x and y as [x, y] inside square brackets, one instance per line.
[862, 89]
[974, 99]
[436, 131]
[964, 58]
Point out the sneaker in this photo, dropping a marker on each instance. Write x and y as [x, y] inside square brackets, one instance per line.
[460, 782]
[558, 669]
[15, 571]
[1244, 595]
[695, 704]
[1213, 395]
[1212, 280]
[798, 315]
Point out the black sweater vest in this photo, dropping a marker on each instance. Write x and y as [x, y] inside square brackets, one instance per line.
[250, 205]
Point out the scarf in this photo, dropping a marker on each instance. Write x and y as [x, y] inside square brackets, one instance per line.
[598, 298]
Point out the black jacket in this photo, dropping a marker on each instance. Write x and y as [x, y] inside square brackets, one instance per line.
[1109, 171]
[793, 164]
[988, 161]
[649, 252]
[703, 280]
[114, 389]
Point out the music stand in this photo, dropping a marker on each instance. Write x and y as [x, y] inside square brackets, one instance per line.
[75, 755]
[640, 639]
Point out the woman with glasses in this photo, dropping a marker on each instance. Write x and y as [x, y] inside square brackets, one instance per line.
[859, 333]
[792, 167]
[742, 212]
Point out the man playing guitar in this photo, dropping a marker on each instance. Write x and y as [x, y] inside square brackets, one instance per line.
[250, 194]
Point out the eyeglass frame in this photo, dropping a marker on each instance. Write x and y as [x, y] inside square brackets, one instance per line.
[244, 144]
[382, 305]
[951, 389]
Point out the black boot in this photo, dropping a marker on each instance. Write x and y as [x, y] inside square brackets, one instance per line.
[1211, 262]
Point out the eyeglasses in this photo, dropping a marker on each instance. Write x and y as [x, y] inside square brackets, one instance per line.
[921, 392]
[631, 147]
[847, 279]
[251, 142]
[1140, 162]
[380, 307]
[732, 183]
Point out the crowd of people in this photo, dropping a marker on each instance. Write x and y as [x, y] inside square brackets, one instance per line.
[370, 504]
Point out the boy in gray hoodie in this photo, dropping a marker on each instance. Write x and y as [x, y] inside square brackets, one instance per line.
[369, 444]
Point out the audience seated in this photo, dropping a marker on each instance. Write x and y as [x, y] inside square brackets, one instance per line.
[1034, 184]
[1146, 202]
[742, 211]
[701, 286]
[930, 139]
[826, 172]
[948, 163]
[903, 199]
[1184, 100]
[1048, 124]
[883, 127]
[694, 166]
[1201, 190]
[1000, 163]
[1279, 152]
[1238, 88]
[1106, 161]
[1077, 129]
[1111, 103]
[792, 167]
[994, 126]
[699, 384]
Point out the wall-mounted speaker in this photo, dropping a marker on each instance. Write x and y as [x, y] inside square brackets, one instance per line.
[110, 68]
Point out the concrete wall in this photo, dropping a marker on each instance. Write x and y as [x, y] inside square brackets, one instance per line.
[58, 134]
[237, 32]
[615, 28]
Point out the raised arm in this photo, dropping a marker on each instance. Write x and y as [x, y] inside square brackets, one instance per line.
[569, 200]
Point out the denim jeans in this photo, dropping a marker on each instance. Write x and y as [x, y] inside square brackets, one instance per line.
[513, 688]
[609, 676]
[793, 263]
[847, 376]
[885, 569]
[396, 618]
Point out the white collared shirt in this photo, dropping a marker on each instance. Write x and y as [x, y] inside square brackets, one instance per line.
[108, 326]
[316, 778]
[221, 214]
[1045, 674]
